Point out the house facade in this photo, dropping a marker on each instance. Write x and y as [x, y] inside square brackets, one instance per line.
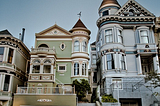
[58, 58]
[126, 51]
[14, 63]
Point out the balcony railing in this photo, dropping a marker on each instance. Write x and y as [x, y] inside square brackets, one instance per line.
[46, 90]
[42, 51]
[41, 77]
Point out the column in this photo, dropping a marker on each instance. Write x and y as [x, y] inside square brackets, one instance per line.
[80, 68]
[120, 64]
[14, 56]
[156, 64]
[52, 68]
[31, 66]
[41, 68]
[6, 54]
[139, 66]
[10, 83]
[3, 79]
[0, 81]
[115, 60]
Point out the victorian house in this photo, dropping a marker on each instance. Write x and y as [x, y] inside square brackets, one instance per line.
[58, 58]
[14, 63]
[126, 52]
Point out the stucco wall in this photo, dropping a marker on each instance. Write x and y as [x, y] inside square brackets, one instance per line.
[56, 100]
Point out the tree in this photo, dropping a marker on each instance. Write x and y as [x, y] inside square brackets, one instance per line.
[81, 88]
[154, 80]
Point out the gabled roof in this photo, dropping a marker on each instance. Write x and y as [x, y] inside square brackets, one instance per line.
[135, 5]
[109, 2]
[52, 28]
[79, 24]
[5, 32]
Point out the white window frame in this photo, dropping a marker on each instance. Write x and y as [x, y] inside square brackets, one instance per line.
[47, 64]
[84, 46]
[110, 35]
[75, 46]
[119, 36]
[65, 65]
[38, 64]
[85, 73]
[144, 36]
[78, 69]
[113, 60]
[115, 86]
[60, 46]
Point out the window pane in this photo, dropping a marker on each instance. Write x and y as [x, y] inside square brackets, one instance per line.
[105, 13]
[84, 69]
[47, 69]
[6, 83]
[76, 69]
[144, 39]
[84, 46]
[62, 68]
[119, 36]
[108, 36]
[10, 55]
[110, 62]
[1, 53]
[76, 46]
[144, 36]
[36, 69]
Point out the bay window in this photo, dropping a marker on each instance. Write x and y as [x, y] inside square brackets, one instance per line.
[47, 66]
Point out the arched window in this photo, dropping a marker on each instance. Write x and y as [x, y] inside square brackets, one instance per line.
[36, 66]
[43, 46]
[84, 46]
[76, 46]
[76, 68]
[47, 66]
[120, 38]
[84, 67]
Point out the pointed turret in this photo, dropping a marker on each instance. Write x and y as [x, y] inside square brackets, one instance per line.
[107, 3]
[80, 26]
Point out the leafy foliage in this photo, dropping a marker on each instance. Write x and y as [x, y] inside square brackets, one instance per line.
[154, 80]
[81, 88]
[108, 98]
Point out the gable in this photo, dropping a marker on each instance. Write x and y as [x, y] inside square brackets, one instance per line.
[132, 8]
[54, 31]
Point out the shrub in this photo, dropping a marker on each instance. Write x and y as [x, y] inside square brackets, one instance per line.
[108, 98]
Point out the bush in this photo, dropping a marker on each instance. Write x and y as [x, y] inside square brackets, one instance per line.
[108, 98]
[84, 99]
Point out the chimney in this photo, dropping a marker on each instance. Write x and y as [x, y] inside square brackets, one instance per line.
[22, 38]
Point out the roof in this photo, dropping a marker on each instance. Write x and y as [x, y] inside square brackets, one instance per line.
[106, 2]
[79, 24]
[5, 32]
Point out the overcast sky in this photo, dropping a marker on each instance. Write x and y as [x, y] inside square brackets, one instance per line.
[38, 15]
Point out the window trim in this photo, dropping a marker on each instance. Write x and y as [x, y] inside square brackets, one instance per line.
[84, 46]
[112, 60]
[65, 65]
[85, 73]
[111, 35]
[119, 36]
[144, 36]
[78, 46]
[78, 69]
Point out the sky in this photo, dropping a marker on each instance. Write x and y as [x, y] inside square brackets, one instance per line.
[38, 15]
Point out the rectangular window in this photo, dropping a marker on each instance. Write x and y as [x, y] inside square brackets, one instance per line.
[144, 36]
[110, 62]
[120, 39]
[108, 36]
[93, 48]
[10, 55]
[1, 53]
[117, 83]
[6, 83]
[94, 59]
[62, 68]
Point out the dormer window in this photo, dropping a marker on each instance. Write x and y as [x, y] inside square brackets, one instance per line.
[105, 13]
[131, 12]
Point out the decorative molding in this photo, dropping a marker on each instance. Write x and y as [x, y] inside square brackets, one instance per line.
[44, 100]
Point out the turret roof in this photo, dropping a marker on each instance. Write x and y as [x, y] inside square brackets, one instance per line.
[113, 2]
